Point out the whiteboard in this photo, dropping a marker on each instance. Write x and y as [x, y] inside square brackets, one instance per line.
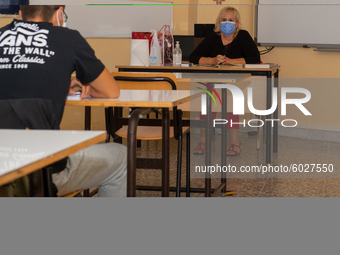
[117, 19]
[308, 23]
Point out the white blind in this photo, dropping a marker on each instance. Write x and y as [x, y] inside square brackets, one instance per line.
[301, 22]
[117, 19]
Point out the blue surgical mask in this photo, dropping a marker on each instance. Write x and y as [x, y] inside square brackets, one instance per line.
[227, 27]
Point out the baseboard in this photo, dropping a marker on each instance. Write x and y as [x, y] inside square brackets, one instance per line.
[311, 132]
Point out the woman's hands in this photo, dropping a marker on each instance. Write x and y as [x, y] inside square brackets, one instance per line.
[212, 61]
[223, 60]
[220, 59]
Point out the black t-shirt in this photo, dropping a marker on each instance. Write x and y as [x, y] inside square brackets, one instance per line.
[37, 60]
[242, 46]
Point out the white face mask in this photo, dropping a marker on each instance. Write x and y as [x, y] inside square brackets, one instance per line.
[64, 18]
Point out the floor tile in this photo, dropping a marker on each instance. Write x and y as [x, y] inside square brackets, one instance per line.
[290, 151]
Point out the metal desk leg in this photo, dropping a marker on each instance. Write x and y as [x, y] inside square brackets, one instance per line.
[87, 118]
[36, 185]
[268, 124]
[117, 114]
[208, 147]
[188, 166]
[48, 182]
[165, 152]
[179, 137]
[224, 140]
[108, 125]
[131, 150]
[276, 114]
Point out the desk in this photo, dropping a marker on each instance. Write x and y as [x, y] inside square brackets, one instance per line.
[197, 69]
[216, 81]
[270, 73]
[150, 99]
[25, 151]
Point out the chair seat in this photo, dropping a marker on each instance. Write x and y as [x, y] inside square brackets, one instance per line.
[148, 132]
[73, 194]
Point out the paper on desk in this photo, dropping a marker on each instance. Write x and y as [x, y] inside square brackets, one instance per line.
[74, 97]
[139, 52]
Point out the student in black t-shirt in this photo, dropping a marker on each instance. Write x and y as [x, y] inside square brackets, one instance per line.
[227, 45]
[37, 58]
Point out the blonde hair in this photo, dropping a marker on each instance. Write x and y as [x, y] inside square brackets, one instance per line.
[220, 18]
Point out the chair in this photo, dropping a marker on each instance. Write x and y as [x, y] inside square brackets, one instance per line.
[74, 194]
[150, 128]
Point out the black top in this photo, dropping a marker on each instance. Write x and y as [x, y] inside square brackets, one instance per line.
[37, 60]
[32, 113]
[242, 46]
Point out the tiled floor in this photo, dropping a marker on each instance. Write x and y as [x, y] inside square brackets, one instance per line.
[291, 151]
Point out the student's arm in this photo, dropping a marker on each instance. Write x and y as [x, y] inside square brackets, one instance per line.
[104, 86]
[92, 76]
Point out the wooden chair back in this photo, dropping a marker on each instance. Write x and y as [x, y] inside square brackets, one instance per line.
[146, 81]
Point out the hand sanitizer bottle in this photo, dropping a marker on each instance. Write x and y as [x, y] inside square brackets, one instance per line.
[155, 52]
[177, 55]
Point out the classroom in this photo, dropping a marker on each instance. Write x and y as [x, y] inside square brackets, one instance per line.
[299, 65]
[274, 191]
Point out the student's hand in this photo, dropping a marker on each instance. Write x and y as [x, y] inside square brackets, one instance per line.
[76, 86]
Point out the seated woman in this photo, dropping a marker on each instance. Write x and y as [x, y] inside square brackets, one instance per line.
[227, 45]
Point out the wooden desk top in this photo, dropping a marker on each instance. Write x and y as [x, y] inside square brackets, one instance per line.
[140, 98]
[220, 68]
[25, 151]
